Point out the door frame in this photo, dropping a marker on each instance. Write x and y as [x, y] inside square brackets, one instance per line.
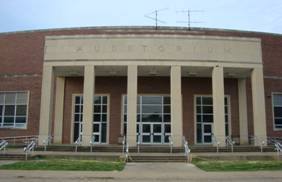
[108, 116]
[228, 96]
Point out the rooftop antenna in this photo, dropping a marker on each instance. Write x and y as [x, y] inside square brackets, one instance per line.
[188, 14]
[154, 16]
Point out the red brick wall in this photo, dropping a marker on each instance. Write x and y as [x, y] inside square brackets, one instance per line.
[22, 53]
[33, 85]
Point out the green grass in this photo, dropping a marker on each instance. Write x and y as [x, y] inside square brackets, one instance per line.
[237, 165]
[65, 164]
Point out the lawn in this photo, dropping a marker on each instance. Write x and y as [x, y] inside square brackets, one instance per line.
[65, 164]
[237, 165]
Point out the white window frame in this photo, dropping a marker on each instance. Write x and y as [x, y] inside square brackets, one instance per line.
[272, 107]
[108, 116]
[195, 115]
[27, 110]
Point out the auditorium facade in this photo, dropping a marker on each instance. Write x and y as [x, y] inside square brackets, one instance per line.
[100, 84]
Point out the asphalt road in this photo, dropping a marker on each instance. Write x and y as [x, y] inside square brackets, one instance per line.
[135, 172]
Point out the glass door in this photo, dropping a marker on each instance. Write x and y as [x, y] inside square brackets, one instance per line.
[204, 118]
[100, 119]
[153, 119]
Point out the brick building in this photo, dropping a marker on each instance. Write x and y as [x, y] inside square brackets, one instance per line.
[153, 86]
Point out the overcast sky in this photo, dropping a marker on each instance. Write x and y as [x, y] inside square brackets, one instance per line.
[254, 15]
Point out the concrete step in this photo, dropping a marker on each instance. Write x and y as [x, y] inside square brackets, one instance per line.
[157, 158]
[12, 156]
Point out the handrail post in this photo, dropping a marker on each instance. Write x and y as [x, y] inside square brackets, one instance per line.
[170, 143]
[123, 144]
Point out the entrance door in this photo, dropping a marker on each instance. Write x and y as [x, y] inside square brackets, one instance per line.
[204, 118]
[207, 133]
[100, 119]
[153, 119]
[152, 133]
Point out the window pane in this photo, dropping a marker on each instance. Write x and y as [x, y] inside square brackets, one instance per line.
[167, 109]
[8, 121]
[166, 100]
[167, 128]
[199, 133]
[225, 101]
[199, 118]
[104, 117]
[22, 98]
[96, 128]
[151, 118]
[10, 98]
[97, 117]
[97, 108]
[207, 109]
[151, 99]
[157, 128]
[105, 100]
[125, 99]
[208, 118]
[278, 112]
[20, 119]
[9, 110]
[278, 121]
[104, 109]
[157, 139]
[199, 110]
[97, 100]
[208, 139]
[146, 138]
[166, 118]
[77, 109]
[20, 125]
[77, 99]
[76, 131]
[76, 117]
[207, 100]
[21, 110]
[198, 100]
[1, 109]
[151, 109]
[277, 100]
[146, 128]
[1, 99]
[104, 133]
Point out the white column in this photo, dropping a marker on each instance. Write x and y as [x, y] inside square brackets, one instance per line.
[59, 109]
[243, 117]
[132, 77]
[176, 105]
[258, 104]
[46, 103]
[218, 104]
[88, 99]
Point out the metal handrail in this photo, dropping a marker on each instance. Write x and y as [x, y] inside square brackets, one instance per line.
[230, 142]
[126, 152]
[170, 143]
[138, 142]
[216, 142]
[123, 144]
[3, 145]
[278, 148]
[92, 142]
[29, 148]
[77, 143]
[260, 141]
[47, 142]
[186, 149]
